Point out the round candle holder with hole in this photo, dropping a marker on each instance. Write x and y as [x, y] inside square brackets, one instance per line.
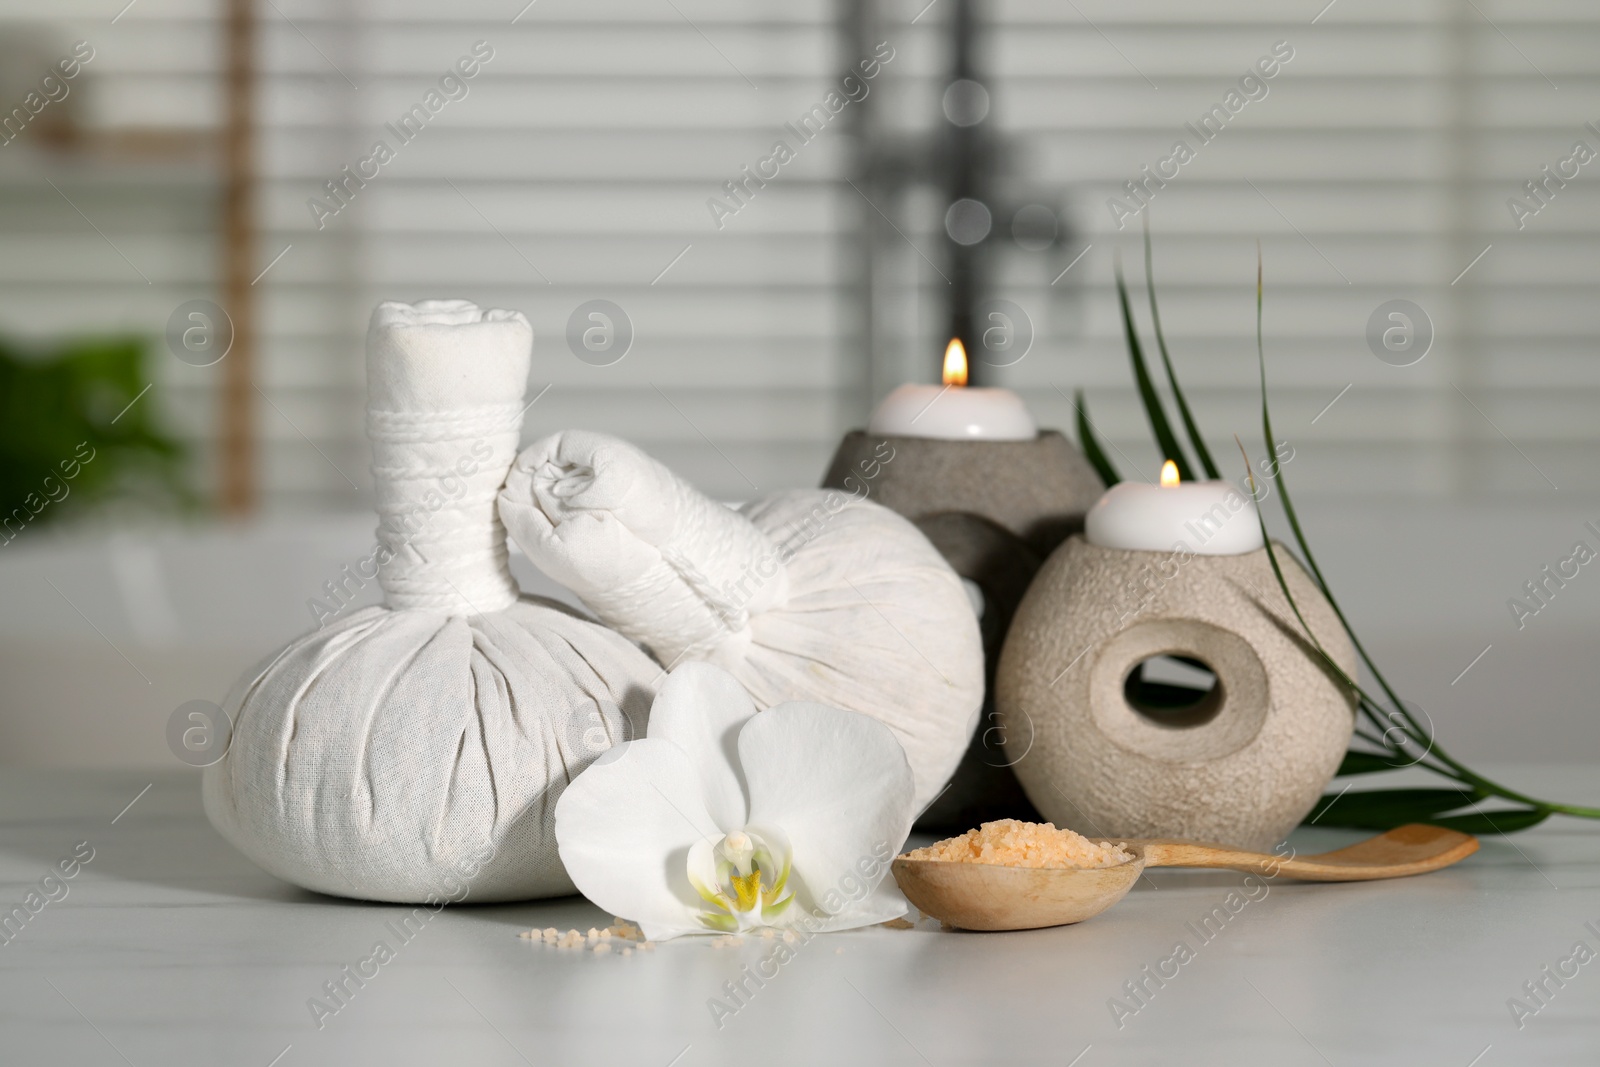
[1107, 667]
[995, 510]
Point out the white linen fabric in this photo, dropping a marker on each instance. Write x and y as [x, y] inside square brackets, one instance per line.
[810, 595]
[415, 751]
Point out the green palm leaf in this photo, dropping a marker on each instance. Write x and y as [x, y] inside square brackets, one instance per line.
[1091, 445]
[1159, 426]
[1195, 439]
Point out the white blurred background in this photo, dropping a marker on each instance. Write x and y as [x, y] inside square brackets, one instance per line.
[1377, 166]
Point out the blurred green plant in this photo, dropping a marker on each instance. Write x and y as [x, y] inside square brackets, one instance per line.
[1388, 736]
[75, 430]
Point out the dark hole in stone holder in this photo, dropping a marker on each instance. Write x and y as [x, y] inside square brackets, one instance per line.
[1174, 704]
[995, 510]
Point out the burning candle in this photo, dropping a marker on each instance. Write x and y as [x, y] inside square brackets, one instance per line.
[1206, 518]
[953, 411]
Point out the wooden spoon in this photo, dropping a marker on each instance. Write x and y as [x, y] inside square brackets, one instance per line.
[985, 896]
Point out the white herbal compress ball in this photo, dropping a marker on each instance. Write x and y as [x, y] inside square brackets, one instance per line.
[416, 750]
[807, 595]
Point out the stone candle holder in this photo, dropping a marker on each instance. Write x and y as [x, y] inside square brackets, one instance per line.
[995, 510]
[1241, 766]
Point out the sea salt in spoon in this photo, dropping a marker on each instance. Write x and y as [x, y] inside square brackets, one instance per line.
[986, 896]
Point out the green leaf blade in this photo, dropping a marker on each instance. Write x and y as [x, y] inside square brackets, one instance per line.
[1393, 806]
[1356, 762]
[1090, 445]
[1196, 441]
[1508, 821]
[1160, 427]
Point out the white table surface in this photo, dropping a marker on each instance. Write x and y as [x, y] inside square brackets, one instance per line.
[171, 949]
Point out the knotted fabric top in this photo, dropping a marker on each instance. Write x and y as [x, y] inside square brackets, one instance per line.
[445, 380]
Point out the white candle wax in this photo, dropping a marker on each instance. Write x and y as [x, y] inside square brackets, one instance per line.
[1206, 518]
[953, 411]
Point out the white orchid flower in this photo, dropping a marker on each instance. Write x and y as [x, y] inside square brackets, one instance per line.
[720, 819]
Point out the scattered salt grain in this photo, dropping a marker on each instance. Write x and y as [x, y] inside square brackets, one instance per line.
[621, 937]
[1010, 843]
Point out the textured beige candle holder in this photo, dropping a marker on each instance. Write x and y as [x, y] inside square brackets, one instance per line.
[995, 510]
[1241, 767]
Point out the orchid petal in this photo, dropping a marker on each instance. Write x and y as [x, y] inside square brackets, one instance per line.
[845, 813]
[701, 708]
[625, 828]
[702, 868]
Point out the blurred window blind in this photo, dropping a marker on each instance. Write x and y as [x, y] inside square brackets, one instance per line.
[578, 165]
[575, 165]
[1376, 165]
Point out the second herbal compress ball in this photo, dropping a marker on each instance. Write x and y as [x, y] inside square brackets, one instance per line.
[805, 595]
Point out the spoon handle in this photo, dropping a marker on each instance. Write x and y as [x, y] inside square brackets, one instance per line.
[1167, 852]
[1400, 852]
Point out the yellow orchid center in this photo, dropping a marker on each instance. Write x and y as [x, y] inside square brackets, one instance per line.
[746, 890]
[743, 878]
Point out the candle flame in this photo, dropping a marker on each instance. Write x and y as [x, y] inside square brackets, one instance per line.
[1169, 474]
[955, 363]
